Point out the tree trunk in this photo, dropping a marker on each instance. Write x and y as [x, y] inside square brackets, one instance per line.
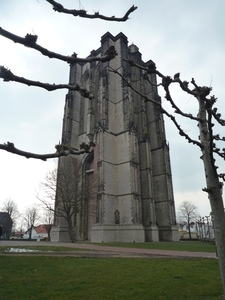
[30, 232]
[71, 231]
[217, 206]
[189, 230]
[213, 188]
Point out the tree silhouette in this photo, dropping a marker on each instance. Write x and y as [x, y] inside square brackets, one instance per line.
[187, 215]
[10, 206]
[31, 216]
[65, 195]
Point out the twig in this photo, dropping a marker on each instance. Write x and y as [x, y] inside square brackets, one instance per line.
[173, 119]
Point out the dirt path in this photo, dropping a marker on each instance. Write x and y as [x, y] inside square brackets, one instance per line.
[91, 250]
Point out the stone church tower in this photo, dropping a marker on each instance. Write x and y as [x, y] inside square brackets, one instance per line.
[134, 200]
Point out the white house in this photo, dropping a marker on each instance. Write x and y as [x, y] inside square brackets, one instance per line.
[37, 232]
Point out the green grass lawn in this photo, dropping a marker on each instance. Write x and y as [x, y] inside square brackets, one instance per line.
[194, 246]
[65, 278]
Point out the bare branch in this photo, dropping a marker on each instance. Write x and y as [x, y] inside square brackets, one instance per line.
[181, 131]
[219, 153]
[151, 68]
[62, 150]
[177, 109]
[218, 138]
[135, 90]
[146, 77]
[30, 42]
[166, 81]
[83, 13]
[222, 175]
[214, 147]
[7, 75]
[172, 118]
[217, 116]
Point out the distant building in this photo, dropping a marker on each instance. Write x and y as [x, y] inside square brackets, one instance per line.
[6, 225]
[36, 233]
[134, 200]
[42, 231]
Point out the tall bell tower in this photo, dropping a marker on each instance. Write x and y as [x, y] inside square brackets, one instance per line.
[134, 199]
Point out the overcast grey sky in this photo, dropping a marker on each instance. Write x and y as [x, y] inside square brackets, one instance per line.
[178, 35]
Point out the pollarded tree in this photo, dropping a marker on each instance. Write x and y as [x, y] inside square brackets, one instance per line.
[187, 215]
[207, 140]
[30, 41]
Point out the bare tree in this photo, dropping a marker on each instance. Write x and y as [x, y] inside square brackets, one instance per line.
[20, 227]
[47, 219]
[31, 216]
[72, 195]
[187, 215]
[207, 140]
[30, 41]
[11, 208]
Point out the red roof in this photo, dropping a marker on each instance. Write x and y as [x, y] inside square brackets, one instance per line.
[40, 229]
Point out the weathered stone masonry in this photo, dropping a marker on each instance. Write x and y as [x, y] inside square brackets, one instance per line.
[134, 199]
